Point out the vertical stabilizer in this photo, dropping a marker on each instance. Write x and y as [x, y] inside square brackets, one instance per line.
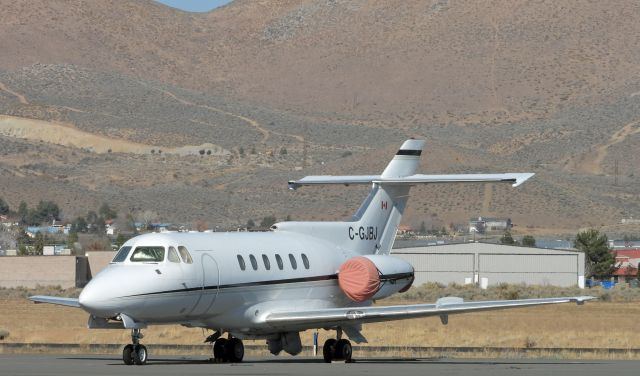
[405, 161]
[380, 214]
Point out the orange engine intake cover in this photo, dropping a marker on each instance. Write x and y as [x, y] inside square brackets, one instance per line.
[359, 278]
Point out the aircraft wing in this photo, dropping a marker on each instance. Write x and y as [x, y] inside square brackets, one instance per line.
[69, 302]
[443, 307]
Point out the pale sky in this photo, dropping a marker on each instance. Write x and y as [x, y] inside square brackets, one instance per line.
[195, 5]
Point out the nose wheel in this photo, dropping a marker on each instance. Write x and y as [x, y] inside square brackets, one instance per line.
[135, 353]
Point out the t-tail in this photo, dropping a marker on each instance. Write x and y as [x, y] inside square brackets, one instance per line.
[373, 228]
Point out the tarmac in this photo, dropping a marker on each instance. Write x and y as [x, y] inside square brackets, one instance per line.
[97, 365]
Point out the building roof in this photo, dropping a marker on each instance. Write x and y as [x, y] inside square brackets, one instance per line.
[628, 253]
[488, 219]
[482, 248]
[626, 271]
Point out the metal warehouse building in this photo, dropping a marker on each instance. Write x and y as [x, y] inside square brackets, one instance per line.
[490, 264]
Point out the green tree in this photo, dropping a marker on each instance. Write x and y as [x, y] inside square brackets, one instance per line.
[528, 241]
[423, 228]
[507, 239]
[251, 223]
[120, 240]
[72, 239]
[79, 225]
[106, 212]
[38, 244]
[23, 212]
[599, 259]
[283, 151]
[268, 221]
[47, 211]
[99, 226]
[4, 207]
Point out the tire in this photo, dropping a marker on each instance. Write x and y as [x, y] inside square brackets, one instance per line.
[219, 351]
[329, 349]
[140, 355]
[127, 355]
[234, 350]
[344, 351]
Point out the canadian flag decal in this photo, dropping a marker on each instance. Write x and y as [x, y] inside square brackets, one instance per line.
[384, 205]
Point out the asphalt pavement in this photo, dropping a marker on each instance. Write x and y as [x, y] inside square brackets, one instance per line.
[97, 365]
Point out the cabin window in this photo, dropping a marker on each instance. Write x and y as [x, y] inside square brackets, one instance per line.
[292, 259]
[267, 264]
[122, 254]
[148, 254]
[305, 261]
[241, 263]
[186, 256]
[254, 263]
[279, 261]
[173, 255]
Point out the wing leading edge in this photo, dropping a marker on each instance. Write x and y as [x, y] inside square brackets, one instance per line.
[69, 302]
[515, 179]
[443, 307]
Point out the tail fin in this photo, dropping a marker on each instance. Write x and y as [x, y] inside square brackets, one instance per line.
[381, 212]
[374, 226]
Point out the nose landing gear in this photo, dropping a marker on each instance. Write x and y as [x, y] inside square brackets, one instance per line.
[135, 353]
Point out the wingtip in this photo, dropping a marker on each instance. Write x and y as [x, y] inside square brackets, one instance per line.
[521, 178]
[581, 299]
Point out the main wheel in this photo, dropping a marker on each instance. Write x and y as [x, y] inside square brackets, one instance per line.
[127, 355]
[234, 350]
[140, 355]
[328, 350]
[344, 350]
[219, 352]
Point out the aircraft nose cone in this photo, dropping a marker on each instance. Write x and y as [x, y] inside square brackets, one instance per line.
[94, 299]
[88, 297]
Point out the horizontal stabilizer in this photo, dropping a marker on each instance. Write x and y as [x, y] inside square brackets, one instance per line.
[69, 302]
[514, 178]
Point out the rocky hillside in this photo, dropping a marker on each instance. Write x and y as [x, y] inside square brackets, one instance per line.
[330, 86]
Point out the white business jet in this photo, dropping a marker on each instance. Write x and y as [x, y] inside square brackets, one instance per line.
[273, 285]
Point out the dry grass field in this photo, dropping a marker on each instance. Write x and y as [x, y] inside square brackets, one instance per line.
[594, 325]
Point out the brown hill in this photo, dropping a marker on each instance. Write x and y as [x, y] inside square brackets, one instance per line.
[542, 86]
[504, 59]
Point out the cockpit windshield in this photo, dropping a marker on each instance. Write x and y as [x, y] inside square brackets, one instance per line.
[148, 254]
[122, 254]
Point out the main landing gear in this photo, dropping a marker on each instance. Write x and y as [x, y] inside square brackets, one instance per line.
[226, 349]
[337, 349]
[135, 353]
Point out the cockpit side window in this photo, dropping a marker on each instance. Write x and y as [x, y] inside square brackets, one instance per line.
[147, 254]
[173, 255]
[186, 256]
[122, 254]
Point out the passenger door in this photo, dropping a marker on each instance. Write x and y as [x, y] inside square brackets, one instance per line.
[210, 285]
